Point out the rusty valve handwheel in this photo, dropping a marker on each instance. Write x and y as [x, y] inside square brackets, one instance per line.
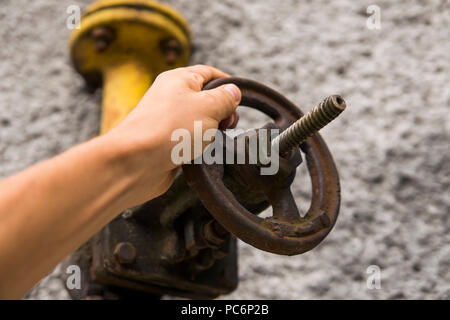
[285, 232]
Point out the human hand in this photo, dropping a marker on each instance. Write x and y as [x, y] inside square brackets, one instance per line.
[174, 101]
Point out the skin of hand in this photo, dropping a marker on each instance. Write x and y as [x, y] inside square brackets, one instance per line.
[187, 104]
[53, 207]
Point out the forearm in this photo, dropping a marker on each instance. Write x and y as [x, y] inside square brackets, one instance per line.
[50, 209]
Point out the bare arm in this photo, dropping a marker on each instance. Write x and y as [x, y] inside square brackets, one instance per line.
[50, 209]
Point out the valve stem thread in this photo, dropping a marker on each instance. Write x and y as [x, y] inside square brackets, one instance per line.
[309, 124]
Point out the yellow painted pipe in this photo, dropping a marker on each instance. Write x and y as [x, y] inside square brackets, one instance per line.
[122, 45]
[123, 86]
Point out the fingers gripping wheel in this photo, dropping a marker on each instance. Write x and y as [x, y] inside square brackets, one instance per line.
[285, 232]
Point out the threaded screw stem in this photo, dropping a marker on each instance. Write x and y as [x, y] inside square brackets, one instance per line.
[309, 124]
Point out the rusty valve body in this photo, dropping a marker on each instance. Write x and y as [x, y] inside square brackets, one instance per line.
[234, 193]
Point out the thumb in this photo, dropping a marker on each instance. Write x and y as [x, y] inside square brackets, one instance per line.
[222, 101]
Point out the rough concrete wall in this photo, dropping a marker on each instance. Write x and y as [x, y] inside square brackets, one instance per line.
[391, 145]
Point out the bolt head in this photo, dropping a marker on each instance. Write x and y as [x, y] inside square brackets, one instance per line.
[125, 253]
[213, 233]
[172, 49]
[102, 37]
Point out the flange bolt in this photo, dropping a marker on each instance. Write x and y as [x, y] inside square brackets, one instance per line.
[125, 253]
[102, 37]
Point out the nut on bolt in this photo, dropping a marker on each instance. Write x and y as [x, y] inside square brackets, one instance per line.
[172, 49]
[213, 233]
[102, 37]
[125, 253]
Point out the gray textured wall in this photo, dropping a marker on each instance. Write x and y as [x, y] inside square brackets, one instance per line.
[391, 145]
